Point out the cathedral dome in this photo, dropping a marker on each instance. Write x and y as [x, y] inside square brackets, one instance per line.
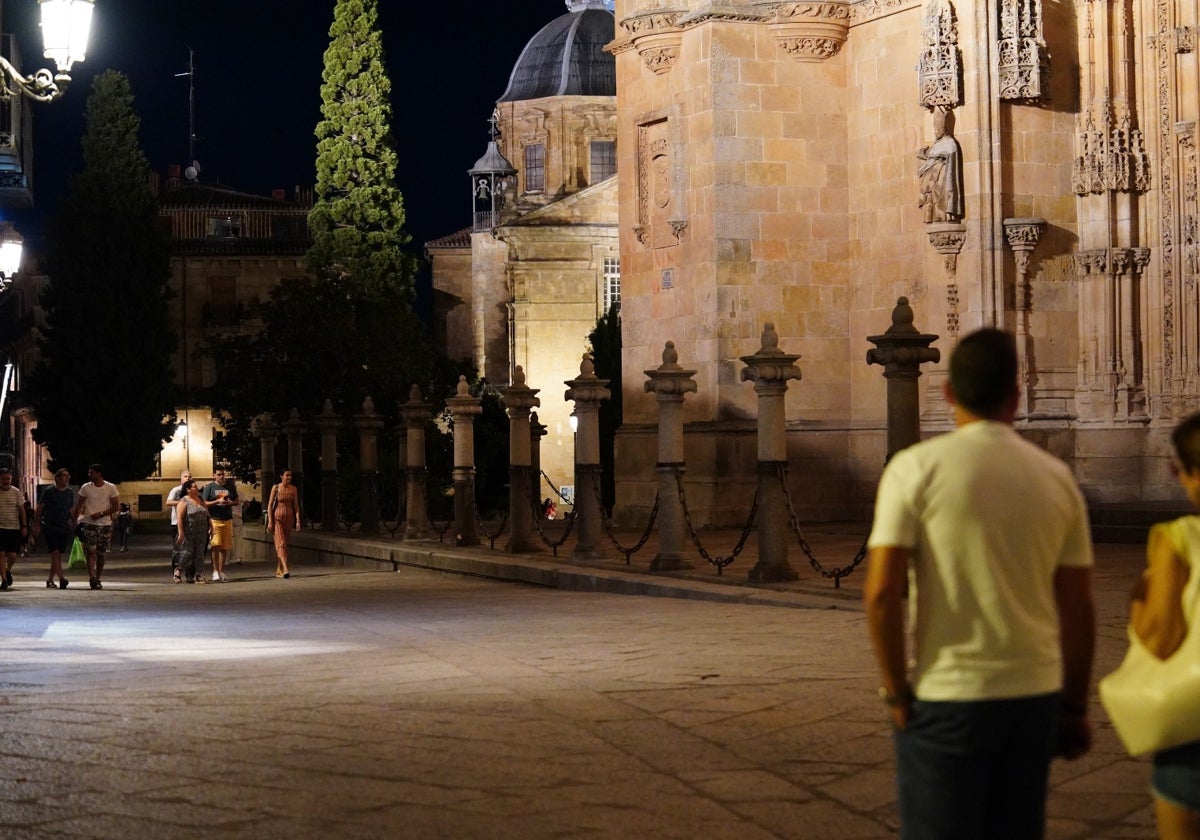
[567, 57]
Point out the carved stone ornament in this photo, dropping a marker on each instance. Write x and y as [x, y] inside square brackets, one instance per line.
[939, 71]
[1023, 63]
[947, 239]
[656, 36]
[1112, 156]
[811, 31]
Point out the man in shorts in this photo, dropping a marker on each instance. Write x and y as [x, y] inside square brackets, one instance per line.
[53, 517]
[98, 503]
[14, 527]
[220, 496]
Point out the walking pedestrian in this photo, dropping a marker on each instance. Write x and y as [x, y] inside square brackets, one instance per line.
[172, 500]
[14, 527]
[282, 517]
[194, 528]
[53, 518]
[221, 496]
[987, 536]
[1163, 612]
[98, 503]
[124, 524]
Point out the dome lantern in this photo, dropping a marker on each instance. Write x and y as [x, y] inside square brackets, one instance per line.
[490, 178]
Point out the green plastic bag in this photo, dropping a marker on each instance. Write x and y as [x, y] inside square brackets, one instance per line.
[78, 558]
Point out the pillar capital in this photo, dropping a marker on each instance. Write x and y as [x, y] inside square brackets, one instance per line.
[587, 388]
[902, 349]
[518, 398]
[462, 404]
[770, 368]
[669, 380]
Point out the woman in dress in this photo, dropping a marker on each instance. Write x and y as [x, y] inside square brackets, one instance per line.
[194, 530]
[283, 517]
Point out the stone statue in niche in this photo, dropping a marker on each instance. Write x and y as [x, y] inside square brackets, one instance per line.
[940, 173]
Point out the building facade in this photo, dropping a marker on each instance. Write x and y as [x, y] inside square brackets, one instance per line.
[1025, 165]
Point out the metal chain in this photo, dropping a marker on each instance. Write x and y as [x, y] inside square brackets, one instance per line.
[569, 519]
[395, 526]
[441, 532]
[491, 538]
[554, 490]
[719, 562]
[794, 524]
[608, 525]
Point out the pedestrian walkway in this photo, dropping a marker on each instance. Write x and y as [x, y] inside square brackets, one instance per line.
[370, 698]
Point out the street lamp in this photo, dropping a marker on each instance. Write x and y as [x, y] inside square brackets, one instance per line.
[11, 246]
[65, 26]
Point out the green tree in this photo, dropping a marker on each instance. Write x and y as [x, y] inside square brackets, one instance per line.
[358, 217]
[320, 339]
[103, 389]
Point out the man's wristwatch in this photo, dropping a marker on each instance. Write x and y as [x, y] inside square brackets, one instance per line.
[901, 698]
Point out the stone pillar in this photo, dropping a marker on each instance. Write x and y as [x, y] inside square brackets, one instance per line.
[902, 350]
[368, 424]
[669, 382]
[587, 391]
[463, 408]
[295, 429]
[537, 431]
[770, 369]
[268, 432]
[328, 422]
[415, 415]
[518, 400]
[1022, 236]
[401, 473]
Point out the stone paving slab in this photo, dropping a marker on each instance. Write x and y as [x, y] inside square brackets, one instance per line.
[394, 701]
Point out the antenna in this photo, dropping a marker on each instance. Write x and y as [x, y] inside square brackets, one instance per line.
[191, 74]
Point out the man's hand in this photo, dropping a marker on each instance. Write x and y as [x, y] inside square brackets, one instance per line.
[1074, 734]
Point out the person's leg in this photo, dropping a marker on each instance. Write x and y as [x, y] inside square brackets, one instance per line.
[941, 781]
[9, 558]
[56, 569]
[281, 549]
[1021, 743]
[1176, 787]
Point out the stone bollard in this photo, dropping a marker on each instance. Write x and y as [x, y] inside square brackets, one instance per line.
[518, 399]
[537, 431]
[463, 408]
[328, 423]
[402, 474]
[415, 415]
[368, 424]
[268, 433]
[902, 350]
[669, 382]
[295, 428]
[770, 369]
[587, 391]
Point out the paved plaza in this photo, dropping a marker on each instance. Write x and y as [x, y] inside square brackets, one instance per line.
[350, 702]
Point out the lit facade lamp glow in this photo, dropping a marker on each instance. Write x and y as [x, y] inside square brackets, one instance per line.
[11, 247]
[65, 28]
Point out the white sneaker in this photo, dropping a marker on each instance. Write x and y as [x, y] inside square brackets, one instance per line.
[215, 577]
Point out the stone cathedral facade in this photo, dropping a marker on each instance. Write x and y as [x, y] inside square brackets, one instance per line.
[1016, 163]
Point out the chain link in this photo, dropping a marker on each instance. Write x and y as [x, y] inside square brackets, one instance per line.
[794, 523]
[553, 545]
[719, 562]
[491, 538]
[608, 525]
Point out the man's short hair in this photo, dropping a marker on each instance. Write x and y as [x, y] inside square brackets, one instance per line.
[95, 468]
[983, 371]
[5, 471]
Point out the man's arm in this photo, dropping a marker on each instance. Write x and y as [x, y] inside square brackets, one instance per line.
[1077, 640]
[883, 600]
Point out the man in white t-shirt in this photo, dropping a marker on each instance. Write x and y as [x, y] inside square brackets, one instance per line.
[987, 537]
[14, 528]
[97, 505]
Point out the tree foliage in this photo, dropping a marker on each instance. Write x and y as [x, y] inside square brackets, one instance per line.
[320, 339]
[358, 217]
[103, 389]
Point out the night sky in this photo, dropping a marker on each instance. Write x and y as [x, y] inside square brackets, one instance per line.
[257, 91]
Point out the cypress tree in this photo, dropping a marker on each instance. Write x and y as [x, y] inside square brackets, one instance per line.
[358, 216]
[103, 389]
